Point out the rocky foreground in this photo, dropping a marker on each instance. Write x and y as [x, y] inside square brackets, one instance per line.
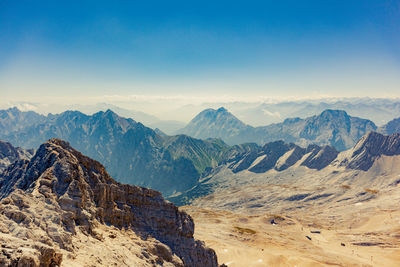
[62, 208]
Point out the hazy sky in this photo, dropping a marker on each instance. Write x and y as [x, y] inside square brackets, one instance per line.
[81, 49]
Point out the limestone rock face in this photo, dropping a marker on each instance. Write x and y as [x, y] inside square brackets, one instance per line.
[272, 152]
[319, 157]
[62, 194]
[369, 148]
[290, 158]
[279, 156]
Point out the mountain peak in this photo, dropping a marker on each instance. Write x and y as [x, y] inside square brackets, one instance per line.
[210, 112]
[222, 109]
[340, 130]
[14, 109]
[334, 112]
[109, 111]
[211, 123]
[106, 113]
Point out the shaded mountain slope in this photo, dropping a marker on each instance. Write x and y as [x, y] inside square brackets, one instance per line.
[204, 154]
[391, 127]
[9, 154]
[51, 204]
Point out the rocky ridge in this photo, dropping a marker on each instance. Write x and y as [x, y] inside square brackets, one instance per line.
[60, 195]
[278, 157]
[369, 148]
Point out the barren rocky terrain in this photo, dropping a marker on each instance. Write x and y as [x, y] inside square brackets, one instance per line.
[62, 208]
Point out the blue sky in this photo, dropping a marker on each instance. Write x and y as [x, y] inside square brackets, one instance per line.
[242, 48]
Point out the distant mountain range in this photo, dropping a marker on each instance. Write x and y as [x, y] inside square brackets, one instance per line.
[258, 113]
[136, 154]
[380, 111]
[332, 127]
[131, 152]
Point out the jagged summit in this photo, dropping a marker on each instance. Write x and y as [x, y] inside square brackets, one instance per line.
[54, 159]
[84, 197]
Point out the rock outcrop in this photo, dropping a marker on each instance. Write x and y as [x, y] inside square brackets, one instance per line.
[60, 195]
[319, 157]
